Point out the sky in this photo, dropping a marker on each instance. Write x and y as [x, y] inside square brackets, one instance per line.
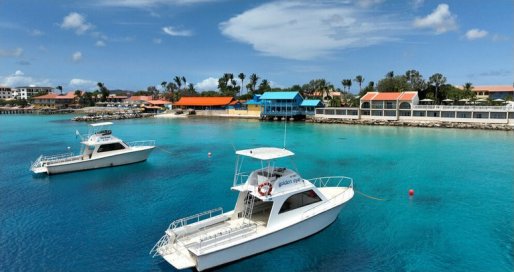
[133, 44]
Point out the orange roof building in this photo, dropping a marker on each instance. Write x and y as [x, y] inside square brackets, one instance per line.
[53, 100]
[201, 102]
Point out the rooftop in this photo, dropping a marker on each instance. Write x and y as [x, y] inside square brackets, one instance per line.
[279, 95]
[204, 101]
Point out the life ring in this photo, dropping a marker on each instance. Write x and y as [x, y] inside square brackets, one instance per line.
[265, 188]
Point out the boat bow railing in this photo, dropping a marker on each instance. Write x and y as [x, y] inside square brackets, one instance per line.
[141, 143]
[334, 181]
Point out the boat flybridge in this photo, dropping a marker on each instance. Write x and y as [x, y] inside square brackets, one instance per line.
[275, 206]
[99, 149]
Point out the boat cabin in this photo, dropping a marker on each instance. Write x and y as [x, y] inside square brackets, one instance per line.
[270, 195]
[100, 141]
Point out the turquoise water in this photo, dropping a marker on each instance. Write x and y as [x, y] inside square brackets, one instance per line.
[460, 218]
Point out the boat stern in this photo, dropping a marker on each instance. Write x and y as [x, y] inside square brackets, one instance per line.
[173, 252]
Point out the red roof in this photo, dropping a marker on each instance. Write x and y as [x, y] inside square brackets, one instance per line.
[204, 101]
[68, 95]
[494, 88]
[159, 102]
[140, 97]
[386, 96]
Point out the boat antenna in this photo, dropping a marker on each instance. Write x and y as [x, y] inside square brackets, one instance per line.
[285, 129]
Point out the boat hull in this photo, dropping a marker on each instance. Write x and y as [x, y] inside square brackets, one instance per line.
[269, 241]
[141, 154]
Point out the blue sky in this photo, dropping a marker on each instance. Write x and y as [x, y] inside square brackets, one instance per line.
[133, 44]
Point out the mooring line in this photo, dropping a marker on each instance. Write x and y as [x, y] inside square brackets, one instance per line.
[370, 197]
[164, 150]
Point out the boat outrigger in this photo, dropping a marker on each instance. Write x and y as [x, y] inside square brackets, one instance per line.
[99, 149]
[275, 206]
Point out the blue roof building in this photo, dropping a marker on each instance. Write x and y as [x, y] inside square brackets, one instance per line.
[309, 106]
[281, 104]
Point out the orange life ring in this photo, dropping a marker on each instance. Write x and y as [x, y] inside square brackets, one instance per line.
[262, 185]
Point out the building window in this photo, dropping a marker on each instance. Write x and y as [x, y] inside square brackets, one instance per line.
[405, 105]
[299, 200]
[432, 113]
[463, 114]
[419, 113]
[498, 115]
[365, 105]
[448, 114]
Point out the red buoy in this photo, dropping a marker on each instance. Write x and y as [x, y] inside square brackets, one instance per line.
[411, 192]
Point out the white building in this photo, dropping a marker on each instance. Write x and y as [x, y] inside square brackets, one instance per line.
[29, 91]
[6, 93]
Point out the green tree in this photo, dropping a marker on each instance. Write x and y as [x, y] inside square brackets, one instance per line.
[104, 92]
[437, 80]
[178, 82]
[264, 86]
[415, 80]
[359, 79]
[393, 84]
[59, 88]
[253, 82]
[242, 76]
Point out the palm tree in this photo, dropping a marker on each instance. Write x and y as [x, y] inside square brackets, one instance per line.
[468, 86]
[171, 91]
[163, 84]
[253, 81]
[349, 84]
[359, 79]
[344, 83]
[184, 81]
[437, 80]
[178, 81]
[59, 88]
[241, 76]
[390, 74]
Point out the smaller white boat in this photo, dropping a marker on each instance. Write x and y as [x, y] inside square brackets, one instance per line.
[99, 149]
[275, 206]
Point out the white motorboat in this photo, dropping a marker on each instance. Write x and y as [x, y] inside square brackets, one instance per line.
[99, 149]
[275, 206]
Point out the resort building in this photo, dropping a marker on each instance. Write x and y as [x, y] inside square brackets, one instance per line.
[405, 107]
[494, 92]
[55, 101]
[281, 104]
[254, 105]
[6, 93]
[309, 106]
[205, 103]
[30, 91]
[113, 98]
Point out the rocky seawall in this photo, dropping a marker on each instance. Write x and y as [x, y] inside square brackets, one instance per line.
[110, 116]
[434, 124]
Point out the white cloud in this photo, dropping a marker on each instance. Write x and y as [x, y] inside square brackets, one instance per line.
[17, 52]
[441, 20]
[416, 4]
[77, 56]
[476, 33]
[20, 79]
[368, 3]
[36, 33]
[77, 22]
[208, 84]
[84, 84]
[100, 43]
[149, 3]
[307, 30]
[174, 32]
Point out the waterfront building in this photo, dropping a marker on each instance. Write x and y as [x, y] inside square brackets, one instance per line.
[494, 92]
[55, 101]
[27, 92]
[281, 104]
[309, 106]
[254, 105]
[113, 98]
[204, 103]
[6, 93]
[405, 107]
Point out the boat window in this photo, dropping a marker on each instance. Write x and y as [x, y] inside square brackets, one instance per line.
[299, 200]
[110, 147]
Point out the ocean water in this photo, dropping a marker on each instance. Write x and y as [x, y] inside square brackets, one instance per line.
[460, 218]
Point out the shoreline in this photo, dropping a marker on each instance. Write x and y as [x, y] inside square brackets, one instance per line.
[424, 124]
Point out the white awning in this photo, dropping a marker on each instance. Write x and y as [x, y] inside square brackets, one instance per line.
[101, 124]
[265, 153]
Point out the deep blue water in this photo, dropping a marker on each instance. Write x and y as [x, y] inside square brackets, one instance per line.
[460, 219]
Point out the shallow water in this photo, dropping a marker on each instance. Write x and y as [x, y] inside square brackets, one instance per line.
[460, 218]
